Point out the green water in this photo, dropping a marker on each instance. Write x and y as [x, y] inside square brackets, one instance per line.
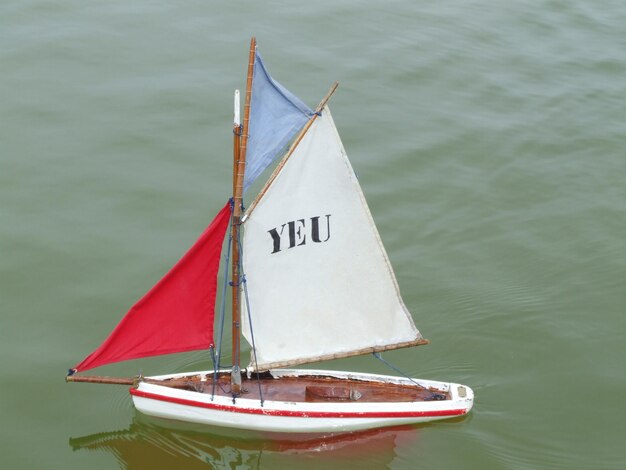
[488, 138]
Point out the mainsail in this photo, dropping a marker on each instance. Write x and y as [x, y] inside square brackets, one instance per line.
[177, 314]
[319, 282]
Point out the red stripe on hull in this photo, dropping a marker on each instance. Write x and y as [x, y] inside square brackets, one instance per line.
[300, 414]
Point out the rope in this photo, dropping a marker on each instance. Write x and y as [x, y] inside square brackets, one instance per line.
[433, 395]
[213, 359]
[218, 357]
[223, 300]
[245, 291]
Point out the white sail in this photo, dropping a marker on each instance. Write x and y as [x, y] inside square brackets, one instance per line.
[319, 282]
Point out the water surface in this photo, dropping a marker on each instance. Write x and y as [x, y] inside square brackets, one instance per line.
[488, 138]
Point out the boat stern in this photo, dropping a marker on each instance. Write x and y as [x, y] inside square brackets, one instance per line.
[463, 396]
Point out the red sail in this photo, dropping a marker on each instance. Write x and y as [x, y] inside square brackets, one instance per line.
[177, 314]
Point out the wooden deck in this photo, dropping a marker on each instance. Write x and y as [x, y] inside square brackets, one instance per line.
[310, 389]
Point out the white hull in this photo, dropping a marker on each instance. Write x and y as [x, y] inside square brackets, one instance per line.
[305, 417]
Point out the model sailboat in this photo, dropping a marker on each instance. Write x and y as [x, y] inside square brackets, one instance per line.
[310, 282]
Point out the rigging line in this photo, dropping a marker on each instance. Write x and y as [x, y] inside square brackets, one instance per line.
[434, 396]
[223, 300]
[218, 353]
[212, 350]
[245, 291]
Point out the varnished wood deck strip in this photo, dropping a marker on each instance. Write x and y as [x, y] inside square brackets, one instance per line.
[311, 389]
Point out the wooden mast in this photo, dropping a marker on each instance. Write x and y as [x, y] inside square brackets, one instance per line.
[236, 137]
[240, 148]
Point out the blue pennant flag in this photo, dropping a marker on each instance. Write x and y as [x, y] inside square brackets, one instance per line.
[275, 116]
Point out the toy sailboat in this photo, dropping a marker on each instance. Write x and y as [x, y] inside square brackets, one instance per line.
[310, 280]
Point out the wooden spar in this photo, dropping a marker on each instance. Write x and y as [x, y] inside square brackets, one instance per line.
[98, 379]
[236, 138]
[296, 141]
[238, 178]
[132, 381]
[236, 152]
[330, 357]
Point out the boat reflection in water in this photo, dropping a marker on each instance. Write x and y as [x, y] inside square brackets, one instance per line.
[154, 443]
